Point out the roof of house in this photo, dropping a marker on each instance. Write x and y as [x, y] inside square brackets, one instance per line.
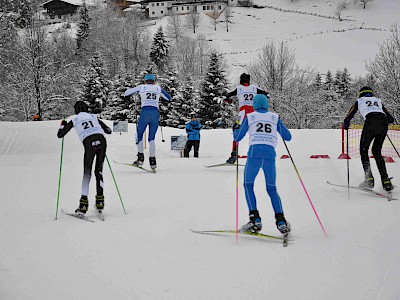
[75, 2]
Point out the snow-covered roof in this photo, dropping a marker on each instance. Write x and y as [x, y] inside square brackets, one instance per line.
[76, 2]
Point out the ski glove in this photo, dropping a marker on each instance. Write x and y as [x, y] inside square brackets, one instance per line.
[235, 126]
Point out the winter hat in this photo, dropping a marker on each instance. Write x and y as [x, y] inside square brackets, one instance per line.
[260, 101]
[193, 115]
[365, 91]
[244, 78]
[80, 106]
[149, 77]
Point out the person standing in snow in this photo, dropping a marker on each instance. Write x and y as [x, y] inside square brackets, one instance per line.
[376, 119]
[91, 133]
[245, 93]
[193, 132]
[150, 94]
[263, 128]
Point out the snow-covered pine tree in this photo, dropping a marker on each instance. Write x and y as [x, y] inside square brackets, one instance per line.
[95, 89]
[169, 82]
[213, 111]
[328, 84]
[343, 86]
[83, 28]
[120, 107]
[159, 50]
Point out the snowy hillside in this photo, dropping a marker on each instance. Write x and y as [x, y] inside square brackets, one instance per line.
[317, 41]
[150, 252]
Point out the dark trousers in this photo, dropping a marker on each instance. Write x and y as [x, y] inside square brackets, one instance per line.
[95, 146]
[375, 130]
[188, 147]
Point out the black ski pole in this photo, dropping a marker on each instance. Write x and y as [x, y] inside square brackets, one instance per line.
[393, 145]
[59, 176]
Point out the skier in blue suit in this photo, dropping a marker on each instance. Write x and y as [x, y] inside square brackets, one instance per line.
[263, 128]
[150, 94]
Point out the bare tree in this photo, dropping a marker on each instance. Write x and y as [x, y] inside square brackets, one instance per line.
[385, 68]
[364, 2]
[215, 15]
[175, 28]
[193, 19]
[273, 67]
[339, 9]
[227, 16]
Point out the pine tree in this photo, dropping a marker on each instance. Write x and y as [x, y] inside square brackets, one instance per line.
[95, 91]
[328, 84]
[344, 83]
[169, 82]
[159, 50]
[317, 82]
[213, 112]
[83, 28]
[120, 107]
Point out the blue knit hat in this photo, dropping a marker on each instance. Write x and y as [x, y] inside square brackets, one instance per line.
[149, 77]
[260, 101]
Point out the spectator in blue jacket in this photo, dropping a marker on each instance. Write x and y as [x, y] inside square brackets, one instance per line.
[193, 132]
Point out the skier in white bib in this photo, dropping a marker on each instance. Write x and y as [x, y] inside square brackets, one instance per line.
[150, 94]
[90, 131]
[263, 128]
[377, 118]
[245, 93]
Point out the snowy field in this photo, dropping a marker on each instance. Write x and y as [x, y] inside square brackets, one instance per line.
[319, 43]
[150, 252]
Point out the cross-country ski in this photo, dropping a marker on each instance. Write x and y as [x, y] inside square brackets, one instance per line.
[387, 196]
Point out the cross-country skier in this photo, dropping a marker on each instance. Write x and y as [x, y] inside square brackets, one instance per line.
[193, 132]
[91, 133]
[150, 94]
[376, 119]
[245, 93]
[263, 128]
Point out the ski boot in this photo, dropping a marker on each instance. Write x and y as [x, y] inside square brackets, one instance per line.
[83, 206]
[100, 203]
[369, 182]
[387, 184]
[153, 163]
[254, 225]
[140, 160]
[232, 159]
[281, 223]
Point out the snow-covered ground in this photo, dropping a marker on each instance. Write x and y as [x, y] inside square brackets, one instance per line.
[320, 43]
[150, 252]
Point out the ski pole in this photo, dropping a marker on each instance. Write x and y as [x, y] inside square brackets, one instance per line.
[392, 145]
[162, 135]
[237, 193]
[119, 194]
[304, 188]
[59, 176]
[348, 169]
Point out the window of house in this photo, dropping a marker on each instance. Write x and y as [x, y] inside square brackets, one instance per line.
[162, 12]
[162, 4]
[219, 7]
[187, 8]
[152, 4]
[158, 4]
[208, 7]
[183, 8]
[204, 8]
[152, 13]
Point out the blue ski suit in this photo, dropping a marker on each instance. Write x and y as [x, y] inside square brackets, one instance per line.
[261, 156]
